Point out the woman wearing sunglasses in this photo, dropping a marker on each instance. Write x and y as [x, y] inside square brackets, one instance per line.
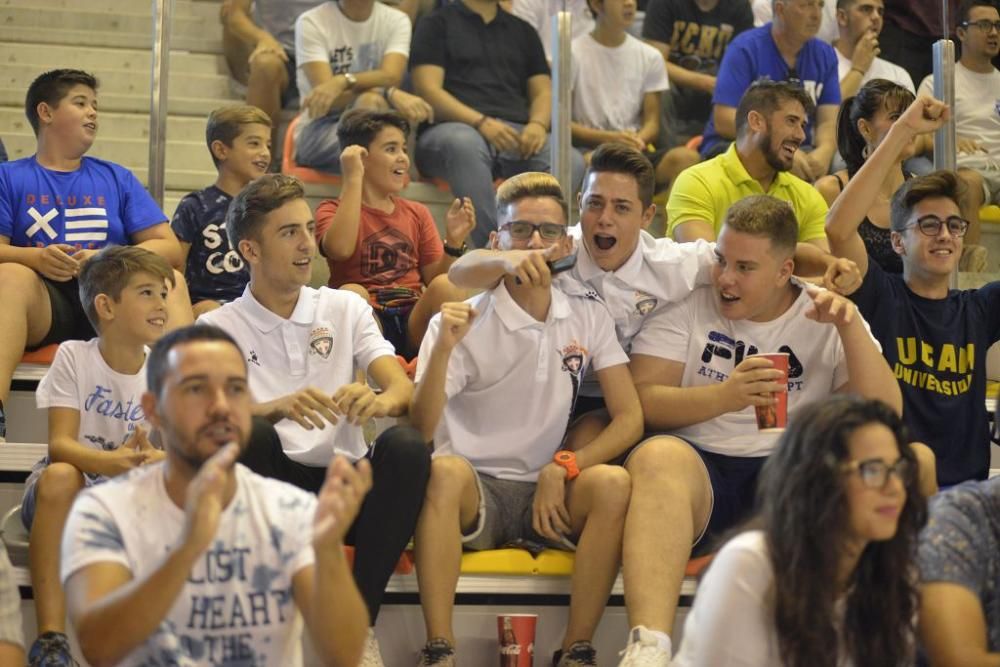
[825, 575]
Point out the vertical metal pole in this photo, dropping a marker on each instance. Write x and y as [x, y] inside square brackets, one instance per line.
[944, 90]
[163, 11]
[562, 60]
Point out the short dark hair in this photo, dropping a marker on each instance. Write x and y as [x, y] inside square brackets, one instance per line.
[109, 271]
[529, 184]
[226, 123]
[767, 216]
[941, 183]
[157, 365]
[359, 127]
[51, 87]
[966, 7]
[621, 159]
[765, 96]
[260, 197]
[874, 96]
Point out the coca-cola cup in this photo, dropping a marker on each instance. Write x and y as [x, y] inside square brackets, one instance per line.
[516, 636]
[774, 417]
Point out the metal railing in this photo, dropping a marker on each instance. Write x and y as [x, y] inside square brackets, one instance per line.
[163, 12]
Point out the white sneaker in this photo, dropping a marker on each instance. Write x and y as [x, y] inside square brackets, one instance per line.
[644, 650]
[371, 657]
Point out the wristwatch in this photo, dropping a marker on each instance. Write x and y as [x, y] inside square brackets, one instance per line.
[456, 252]
[351, 80]
[567, 459]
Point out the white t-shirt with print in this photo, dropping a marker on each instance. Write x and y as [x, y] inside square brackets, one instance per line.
[659, 272]
[879, 69]
[329, 335]
[512, 381]
[610, 84]
[237, 605]
[109, 402]
[539, 14]
[977, 114]
[324, 34]
[695, 333]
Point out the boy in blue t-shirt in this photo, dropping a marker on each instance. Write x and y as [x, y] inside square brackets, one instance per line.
[97, 428]
[239, 139]
[58, 208]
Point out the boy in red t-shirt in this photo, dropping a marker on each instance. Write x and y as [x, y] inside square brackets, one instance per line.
[384, 247]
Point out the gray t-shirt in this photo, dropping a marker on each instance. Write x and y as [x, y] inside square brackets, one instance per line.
[278, 18]
[961, 545]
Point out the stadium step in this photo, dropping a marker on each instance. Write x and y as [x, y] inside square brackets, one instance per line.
[98, 59]
[132, 125]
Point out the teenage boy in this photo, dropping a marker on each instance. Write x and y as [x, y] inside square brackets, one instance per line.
[59, 207]
[636, 276]
[239, 140]
[350, 53]
[617, 84]
[303, 346]
[199, 561]
[97, 428]
[934, 338]
[698, 379]
[514, 481]
[384, 247]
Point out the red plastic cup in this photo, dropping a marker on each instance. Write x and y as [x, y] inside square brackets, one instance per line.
[516, 636]
[772, 418]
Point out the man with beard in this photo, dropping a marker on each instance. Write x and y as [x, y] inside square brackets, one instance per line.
[199, 559]
[770, 127]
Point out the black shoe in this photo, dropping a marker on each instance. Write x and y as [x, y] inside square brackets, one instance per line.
[580, 654]
[51, 649]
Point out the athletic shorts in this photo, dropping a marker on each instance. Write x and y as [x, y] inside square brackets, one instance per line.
[69, 322]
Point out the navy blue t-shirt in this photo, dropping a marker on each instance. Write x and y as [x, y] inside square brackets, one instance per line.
[937, 350]
[753, 55]
[99, 204]
[214, 271]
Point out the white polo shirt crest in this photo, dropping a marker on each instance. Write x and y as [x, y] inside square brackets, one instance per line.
[513, 380]
[329, 334]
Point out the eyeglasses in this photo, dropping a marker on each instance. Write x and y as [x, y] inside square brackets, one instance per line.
[874, 473]
[931, 225]
[519, 229]
[983, 24]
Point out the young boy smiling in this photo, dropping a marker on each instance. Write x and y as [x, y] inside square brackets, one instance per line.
[384, 247]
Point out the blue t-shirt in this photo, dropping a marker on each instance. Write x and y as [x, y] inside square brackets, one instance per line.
[214, 271]
[99, 204]
[753, 55]
[937, 350]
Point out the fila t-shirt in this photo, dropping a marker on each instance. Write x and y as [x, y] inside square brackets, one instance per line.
[695, 333]
[99, 204]
[236, 607]
[937, 350]
[109, 402]
[329, 335]
[214, 270]
[512, 381]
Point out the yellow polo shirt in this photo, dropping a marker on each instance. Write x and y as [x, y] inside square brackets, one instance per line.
[707, 190]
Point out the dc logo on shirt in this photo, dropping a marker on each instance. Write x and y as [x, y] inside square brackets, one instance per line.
[321, 342]
[644, 303]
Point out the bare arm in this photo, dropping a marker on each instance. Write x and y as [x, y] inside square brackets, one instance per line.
[824, 139]
[692, 230]
[953, 627]
[625, 428]
[64, 429]
[725, 120]
[484, 269]
[430, 397]
[680, 76]
[160, 239]
[650, 129]
[540, 100]
[428, 82]
[868, 372]
[235, 16]
[397, 390]
[340, 239]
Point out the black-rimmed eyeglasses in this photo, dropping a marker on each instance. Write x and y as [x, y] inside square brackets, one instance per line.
[930, 225]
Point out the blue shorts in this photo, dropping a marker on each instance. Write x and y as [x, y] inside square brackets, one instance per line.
[734, 494]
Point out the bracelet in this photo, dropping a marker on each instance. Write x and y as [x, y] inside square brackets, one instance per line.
[479, 123]
[859, 70]
[453, 251]
[539, 124]
[387, 93]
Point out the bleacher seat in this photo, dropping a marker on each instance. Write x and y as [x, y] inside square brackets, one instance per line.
[551, 562]
[990, 214]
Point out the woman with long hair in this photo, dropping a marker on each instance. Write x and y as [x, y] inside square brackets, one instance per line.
[824, 576]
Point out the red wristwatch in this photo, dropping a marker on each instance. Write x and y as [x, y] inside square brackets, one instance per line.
[567, 459]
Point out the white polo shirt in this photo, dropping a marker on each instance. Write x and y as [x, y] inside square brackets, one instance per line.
[695, 333]
[659, 272]
[513, 380]
[328, 336]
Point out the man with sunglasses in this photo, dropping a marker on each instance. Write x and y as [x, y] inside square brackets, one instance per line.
[934, 338]
[977, 101]
[497, 379]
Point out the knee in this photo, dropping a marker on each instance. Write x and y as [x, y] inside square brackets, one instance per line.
[59, 482]
[448, 477]
[371, 100]
[269, 68]
[357, 289]
[407, 450]
[661, 459]
[612, 488]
